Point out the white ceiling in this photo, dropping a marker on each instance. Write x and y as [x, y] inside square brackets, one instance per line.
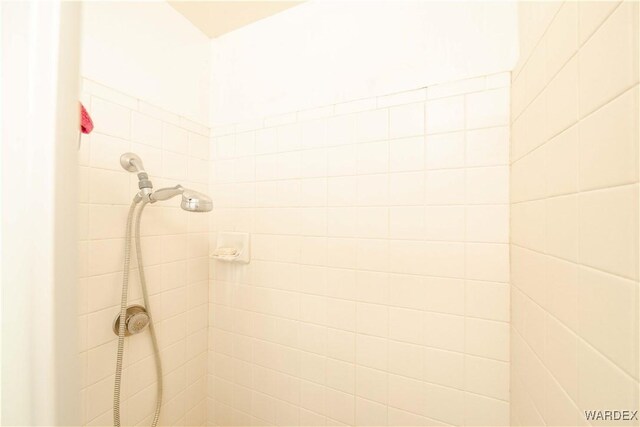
[215, 18]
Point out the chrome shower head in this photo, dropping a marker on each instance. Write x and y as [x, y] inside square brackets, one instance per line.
[192, 201]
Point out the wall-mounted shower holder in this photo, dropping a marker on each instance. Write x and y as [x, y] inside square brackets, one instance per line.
[136, 321]
[232, 247]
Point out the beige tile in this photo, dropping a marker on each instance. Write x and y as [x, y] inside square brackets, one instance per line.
[405, 97]
[608, 230]
[406, 154]
[592, 15]
[603, 385]
[372, 125]
[372, 222]
[444, 115]
[407, 188]
[313, 134]
[340, 375]
[607, 65]
[398, 417]
[372, 384]
[341, 344]
[528, 221]
[562, 99]
[535, 72]
[406, 120]
[372, 319]
[560, 409]
[443, 403]
[107, 221]
[487, 108]
[608, 310]
[373, 190]
[444, 367]
[406, 222]
[109, 187]
[106, 151]
[480, 410]
[341, 129]
[373, 157]
[487, 223]
[444, 223]
[562, 36]
[105, 256]
[445, 150]
[445, 187]
[442, 259]
[405, 325]
[562, 227]
[408, 291]
[487, 300]
[176, 139]
[487, 185]
[561, 355]
[561, 155]
[487, 147]
[370, 413]
[110, 119]
[371, 352]
[443, 295]
[486, 377]
[563, 288]
[609, 144]
[146, 129]
[406, 394]
[443, 331]
[457, 88]
[487, 338]
[406, 360]
[487, 261]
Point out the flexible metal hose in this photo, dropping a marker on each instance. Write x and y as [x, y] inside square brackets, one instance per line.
[123, 315]
[152, 328]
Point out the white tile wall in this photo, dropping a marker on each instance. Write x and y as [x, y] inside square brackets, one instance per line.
[378, 288]
[574, 193]
[175, 249]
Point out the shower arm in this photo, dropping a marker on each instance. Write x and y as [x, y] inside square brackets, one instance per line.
[132, 163]
[166, 193]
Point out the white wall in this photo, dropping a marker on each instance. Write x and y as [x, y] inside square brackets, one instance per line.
[377, 291]
[40, 63]
[149, 51]
[146, 74]
[175, 249]
[574, 226]
[320, 53]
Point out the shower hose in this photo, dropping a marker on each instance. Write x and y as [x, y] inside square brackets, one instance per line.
[135, 222]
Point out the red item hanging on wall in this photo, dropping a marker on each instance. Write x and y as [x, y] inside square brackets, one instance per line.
[86, 124]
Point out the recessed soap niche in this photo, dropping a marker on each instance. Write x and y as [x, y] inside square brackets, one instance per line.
[232, 247]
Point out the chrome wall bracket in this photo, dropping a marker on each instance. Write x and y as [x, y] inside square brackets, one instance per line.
[136, 321]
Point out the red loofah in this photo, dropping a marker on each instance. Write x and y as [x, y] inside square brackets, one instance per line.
[86, 124]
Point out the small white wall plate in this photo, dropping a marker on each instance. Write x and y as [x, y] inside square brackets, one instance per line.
[232, 247]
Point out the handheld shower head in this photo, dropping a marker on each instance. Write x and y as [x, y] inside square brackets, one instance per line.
[192, 201]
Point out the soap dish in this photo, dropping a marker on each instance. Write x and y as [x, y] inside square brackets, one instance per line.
[232, 247]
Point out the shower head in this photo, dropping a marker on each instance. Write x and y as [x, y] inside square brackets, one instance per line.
[192, 201]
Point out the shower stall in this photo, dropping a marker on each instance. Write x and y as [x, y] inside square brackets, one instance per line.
[325, 213]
